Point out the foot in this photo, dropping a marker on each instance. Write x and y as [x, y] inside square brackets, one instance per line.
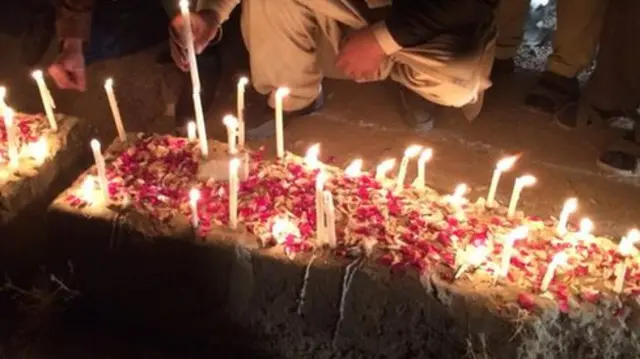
[623, 157]
[552, 93]
[417, 112]
[210, 72]
[260, 120]
[502, 67]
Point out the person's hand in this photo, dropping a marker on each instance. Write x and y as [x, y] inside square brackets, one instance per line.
[204, 26]
[360, 55]
[68, 70]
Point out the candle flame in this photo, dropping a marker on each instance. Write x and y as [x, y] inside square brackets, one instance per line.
[88, 189]
[243, 81]
[412, 151]
[386, 165]
[37, 75]
[570, 205]
[191, 131]
[505, 164]
[8, 117]
[627, 244]
[95, 145]
[560, 258]
[282, 92]
[108, 83]
[39, 150]
[311, 157]
[282, 228]
[477, 255]
[354, 169]
[321, 178]
[518, 233]
[426, 155]
[3, 93]
[194, 195]
[230, 121]
[586, 226]
[527, 180]
[234, 165]
[460, 191]
[184, 5]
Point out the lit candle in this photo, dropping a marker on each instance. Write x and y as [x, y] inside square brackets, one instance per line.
[503, 165]
[100, 166]
[234, 186]
[320, 217]
[12, 141]
[194, 197]
[354, 169]
[626, 248]
[507, 251]
[383, 168]
[457, 198]
[559, 258]
[281, 93]
[88, 189]
[330, 213]
[39, 150]
[586, 227]
[311, 157]
[425, 157]
[3, 94]
[283, 228]
[570, 206]
[242, 84]
[473, 257]
[191, 131]
[202, 131]
[47, 99]
[232, 133]
[108, 86]
[520, 184]
[410, 153]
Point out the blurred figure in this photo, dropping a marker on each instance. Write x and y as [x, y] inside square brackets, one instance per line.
[39, 30]
[575, 40]
[614, 88]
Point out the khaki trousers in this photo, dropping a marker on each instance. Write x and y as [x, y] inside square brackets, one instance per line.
[575, 40]
[294, 43]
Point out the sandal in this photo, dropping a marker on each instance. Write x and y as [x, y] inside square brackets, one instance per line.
[578, 115]
[623, 158]
[552, 93]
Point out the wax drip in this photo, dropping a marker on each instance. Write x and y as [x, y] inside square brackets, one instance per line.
[349, 273]
[305, 281]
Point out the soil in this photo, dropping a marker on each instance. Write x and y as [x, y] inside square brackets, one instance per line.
[358, 121]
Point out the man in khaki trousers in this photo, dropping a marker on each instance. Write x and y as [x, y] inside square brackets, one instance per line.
[578, 27]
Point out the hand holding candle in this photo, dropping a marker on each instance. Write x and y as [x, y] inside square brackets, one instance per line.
[101, 168]
[281, 93]
[507, 251]
[194, 197]
[354, 169]
[521, 183]
[383, 168]
[503, 165]
[47, 99]
[409, 153]
[231, 123]
[425, 156]
[569, 207]
[108, 87]
[559, 259]
[242, 84]
[234, 186]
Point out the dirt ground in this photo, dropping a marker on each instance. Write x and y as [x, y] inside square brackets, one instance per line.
[357, 121]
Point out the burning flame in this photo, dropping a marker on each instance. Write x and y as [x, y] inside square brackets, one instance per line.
[37, 74]
[477, 255]
[194, 195]
[282, 92]
[460, 191]
[243, 81]
[518, 233]
[586, 226]
[560, 259]
[230, 121]
[88, 189]
[282, 228]
[108, 83]
[311, 157]
[39, 150]
[505, 164]
[426, 155]
[95, 145]
[627, 244]
[571, 205]
[412, 151]
[354, 169]
[191, 131]
[527, 180]
[320, 180]
[386, 166]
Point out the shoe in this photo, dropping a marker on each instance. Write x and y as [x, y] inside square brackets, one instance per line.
[210, 72]
[417, 112]
[552, 93]
[502, 67]
[38, 36]
[259, 116]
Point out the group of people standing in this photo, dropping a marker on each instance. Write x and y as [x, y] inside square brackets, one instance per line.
[441, 53]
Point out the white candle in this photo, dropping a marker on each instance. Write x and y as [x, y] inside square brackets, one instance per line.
[626, 248]
[311, 157]
[559, 258]
[586, 226]
[191, 131]
[520, 184]
[47, 99]
[194, 197]
[234, 186]
[242, 84]
[503, 165]
[12, 140]
[281, 93]
[410, 153]
[202, 131]
[191, 51]
[354, 169]
[330, 213]
[425, 157]
[101, 167]
[473, 257]
[3, 94]
[383, 168]
[507, 250]
[320, 213]
[457, 198]
[232, 133]
[108, 87]
[569, 207]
